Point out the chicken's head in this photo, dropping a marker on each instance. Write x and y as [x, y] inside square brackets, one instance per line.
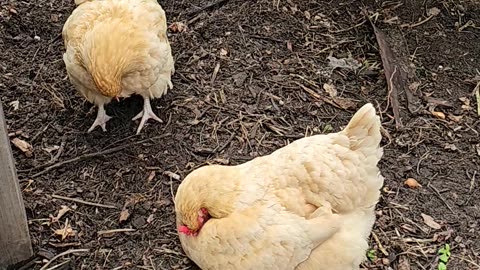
[206, 193]
[192, 224]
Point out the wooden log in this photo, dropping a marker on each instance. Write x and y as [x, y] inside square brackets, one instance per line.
[15, 244]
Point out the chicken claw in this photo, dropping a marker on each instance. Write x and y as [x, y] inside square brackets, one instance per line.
[101, 120]
[146, 114]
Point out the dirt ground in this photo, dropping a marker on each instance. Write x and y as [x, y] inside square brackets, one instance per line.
[251, 77]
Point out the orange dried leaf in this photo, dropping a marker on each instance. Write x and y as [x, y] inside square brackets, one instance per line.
[439, 115]
[412, 183]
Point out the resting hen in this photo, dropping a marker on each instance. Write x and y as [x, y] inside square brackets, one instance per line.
[116, 48]
[307, 206]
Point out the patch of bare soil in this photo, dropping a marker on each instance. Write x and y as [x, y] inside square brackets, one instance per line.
[251, 77]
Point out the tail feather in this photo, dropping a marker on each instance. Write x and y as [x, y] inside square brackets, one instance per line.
[363, 130]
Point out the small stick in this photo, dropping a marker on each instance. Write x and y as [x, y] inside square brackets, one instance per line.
[380, 246]
[59, 265]
[441, 197]
[96, 154]
[84, 202]
[63, 254]
[115, 231]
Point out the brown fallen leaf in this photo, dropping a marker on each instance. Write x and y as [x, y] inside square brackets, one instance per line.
[223, 52]
[430, 222]
[330, 89]
[455, 118]
[412, 183]
[151, 176]
[150, 218]
[63, 210]
[172, 175]
[178, 27]
[124, 215]
[66, 231]
[439, 115]
[24, 146]
[289, 45]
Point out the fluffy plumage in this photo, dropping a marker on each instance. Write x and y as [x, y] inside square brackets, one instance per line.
[309, 205]
[116, 48]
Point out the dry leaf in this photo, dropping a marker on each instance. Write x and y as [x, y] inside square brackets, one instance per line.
[466, 103]
[289, 45]
[439, 115]
[15, 104]
[172, 175]
[330, 89]
[178, 27]
[451, 146]
[63, 210]
[50, 149]
[66, 231]
[24, 146]
[223, 52]
[348, 63]
[307, 15]
[124, 215]
[150, 218]
[412, 183]
[433, 11]
[151, 176]
[428, 220]
[456, 118]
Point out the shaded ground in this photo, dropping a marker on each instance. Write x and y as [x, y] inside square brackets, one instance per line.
[267, 92]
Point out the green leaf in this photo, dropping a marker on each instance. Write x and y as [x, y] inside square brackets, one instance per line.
[442, 266]
[444, 258]
[371, 255]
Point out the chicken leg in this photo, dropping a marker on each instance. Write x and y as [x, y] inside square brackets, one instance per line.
[146, 114]
[101, 120]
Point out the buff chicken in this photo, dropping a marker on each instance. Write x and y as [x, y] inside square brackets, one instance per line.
[307, 206]
[117, 48]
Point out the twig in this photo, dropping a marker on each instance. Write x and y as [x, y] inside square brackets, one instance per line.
[439, 195]
[477, 97]
[380, 246]
[63, 254]
[96, 154]
[418, 23]
[466, 260]
[220, 148]
[59, 265]
[115, 231]
[83, 202]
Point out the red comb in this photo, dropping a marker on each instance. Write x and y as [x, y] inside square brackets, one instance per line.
[184, 229]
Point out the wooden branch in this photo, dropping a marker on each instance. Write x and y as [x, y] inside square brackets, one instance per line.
[15, 244]
[395, 75]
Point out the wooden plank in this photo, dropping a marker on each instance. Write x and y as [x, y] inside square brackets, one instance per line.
[15, 244]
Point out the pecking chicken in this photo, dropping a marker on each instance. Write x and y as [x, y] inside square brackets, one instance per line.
[116, 48]
[307, 206]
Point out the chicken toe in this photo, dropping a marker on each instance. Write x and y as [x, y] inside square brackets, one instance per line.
[101, 120]
[146, 114]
